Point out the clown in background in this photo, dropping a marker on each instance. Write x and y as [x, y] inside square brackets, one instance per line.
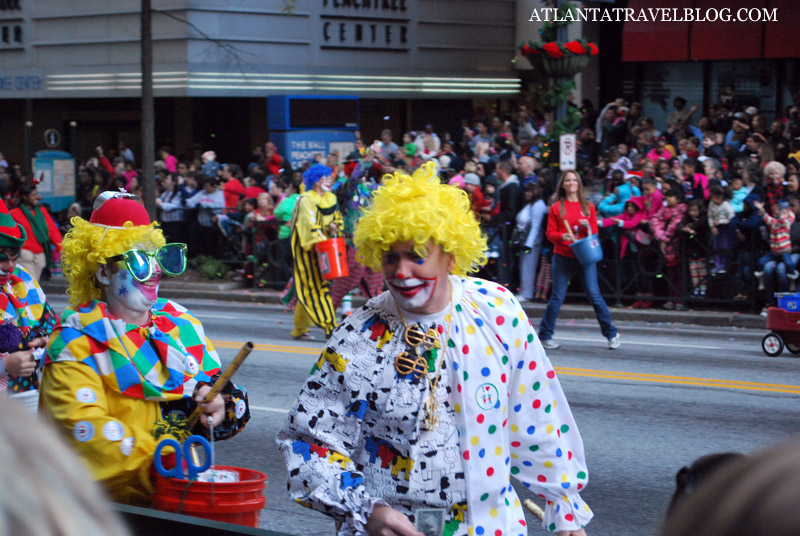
[125, 367]
[23, 304]
[316, 219]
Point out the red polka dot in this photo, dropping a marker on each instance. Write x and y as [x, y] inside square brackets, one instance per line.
[551, 374]
[526, 345]
[500, 320]
[522, 522]
[569, 517]
[503, 377]
[441, 329]
[541, 478]
[481, 418]
[465, 349]
[466, 455]
[532, 365]
[558, 432]
[580, 486]
[501, 289]
[505, 422]
[537, 404]
[569, 455]
[498, 338]
[515, 443]
[490, 471]
[498, 532]
[459, 387]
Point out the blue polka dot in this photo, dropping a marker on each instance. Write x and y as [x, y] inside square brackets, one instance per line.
[526, 484]
[481, 453]
[483, 291]
[485, 371]
[558, 452]
[456, 329]
[521, 364]
[510, 488]
[502, 491]
[565, 485]
[497, 406]
[531, 430]
[479, 529]
[527, 463]
[479, 322]
[575, 505]
[505, 346]
[517, 408]
[508, 461]
[455, 365]
[558, 508]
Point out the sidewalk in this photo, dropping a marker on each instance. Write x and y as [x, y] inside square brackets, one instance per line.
[232, 291]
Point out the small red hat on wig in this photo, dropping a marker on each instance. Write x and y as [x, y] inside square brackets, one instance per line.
[114, 209]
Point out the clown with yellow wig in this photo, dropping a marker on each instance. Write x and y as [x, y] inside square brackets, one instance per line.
[430, 397]
[124, 364]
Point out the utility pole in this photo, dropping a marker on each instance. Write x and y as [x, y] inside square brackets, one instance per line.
[148, 113]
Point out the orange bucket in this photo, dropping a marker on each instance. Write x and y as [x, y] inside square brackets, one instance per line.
[232, 502]
[332, 258]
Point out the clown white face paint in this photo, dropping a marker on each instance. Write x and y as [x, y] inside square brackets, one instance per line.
[128, 298]
[324, 183]
[418, 284]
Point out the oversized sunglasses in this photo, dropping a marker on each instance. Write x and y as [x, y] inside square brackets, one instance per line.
[170, 257]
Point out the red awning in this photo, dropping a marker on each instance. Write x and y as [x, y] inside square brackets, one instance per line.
[717, 40]
[656, 41]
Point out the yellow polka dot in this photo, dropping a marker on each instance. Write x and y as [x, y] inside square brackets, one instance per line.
[457, 408]
[522, 315]
[489, 350]
[514, 456]
[514, 428]
[517, 343]
[471, 531]
[549, 429]
[555, 404]
[564, 477]
[470, 330]
[447, 318]
[548, 464]
[516, 503]
[586, 507]
[498, 301]
[521, 389]
[475, 440]
[498, 451]
[493, 512]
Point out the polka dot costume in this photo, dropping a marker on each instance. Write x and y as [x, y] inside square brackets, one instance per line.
[356, 436]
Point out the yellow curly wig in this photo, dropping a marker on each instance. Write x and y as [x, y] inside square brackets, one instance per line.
[85, 247]
[419, 208]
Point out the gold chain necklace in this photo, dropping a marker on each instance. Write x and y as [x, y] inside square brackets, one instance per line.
[406, 364]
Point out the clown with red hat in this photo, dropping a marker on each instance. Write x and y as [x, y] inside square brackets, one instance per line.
[23, 305]
[123, 362]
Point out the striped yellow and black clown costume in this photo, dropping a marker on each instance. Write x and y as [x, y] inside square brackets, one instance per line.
[315, 211]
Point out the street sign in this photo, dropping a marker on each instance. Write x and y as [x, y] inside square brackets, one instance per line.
[567, 152]
[52, 138]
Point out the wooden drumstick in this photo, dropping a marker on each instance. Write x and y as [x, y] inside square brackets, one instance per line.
[534, 508]
[569, 230]
[222, 381]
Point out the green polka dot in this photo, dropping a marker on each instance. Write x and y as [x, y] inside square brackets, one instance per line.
[492, 429]
[551, 527]
[478, 281]
[450, 343]
[508, 503]
[490, 304]
[581, 474]
[530, 337]
[536, 386]
[564, 428]
[466, 376]
[548, 408]
[505, 360]
[515, 322]
[484, 496]
[533, 448]
[458, 307]
[515, 470]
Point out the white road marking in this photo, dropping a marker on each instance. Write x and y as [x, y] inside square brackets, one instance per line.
[270, 410]
[629, 341]
[223, 317]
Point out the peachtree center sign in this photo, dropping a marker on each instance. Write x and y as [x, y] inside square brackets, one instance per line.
[377, 25]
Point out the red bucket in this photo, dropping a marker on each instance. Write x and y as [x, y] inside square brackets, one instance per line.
[232, 502]
[332, 258]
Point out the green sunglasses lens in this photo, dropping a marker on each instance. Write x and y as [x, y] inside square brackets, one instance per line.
[138, 264]
[172, 259]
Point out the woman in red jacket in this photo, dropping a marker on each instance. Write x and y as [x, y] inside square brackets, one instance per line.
[41, 230]
[572, 208]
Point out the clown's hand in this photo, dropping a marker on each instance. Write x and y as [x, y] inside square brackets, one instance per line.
[214, 409]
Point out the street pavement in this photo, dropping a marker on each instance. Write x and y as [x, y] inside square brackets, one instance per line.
[671, 393]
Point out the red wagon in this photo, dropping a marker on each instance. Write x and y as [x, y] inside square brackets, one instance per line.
[784, 331]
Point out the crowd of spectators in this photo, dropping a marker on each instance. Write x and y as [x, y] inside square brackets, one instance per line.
[701, 206]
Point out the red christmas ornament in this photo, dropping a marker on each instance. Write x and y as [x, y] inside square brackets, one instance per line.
[593, 50]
